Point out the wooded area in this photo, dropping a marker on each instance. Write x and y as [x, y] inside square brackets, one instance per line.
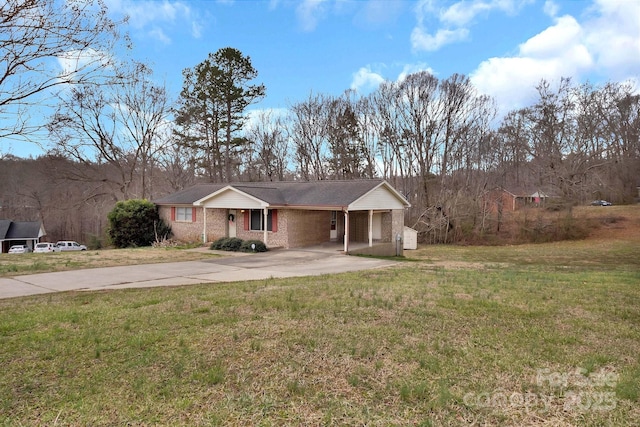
[114, 133]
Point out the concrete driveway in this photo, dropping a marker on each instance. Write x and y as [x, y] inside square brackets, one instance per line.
[278, 263]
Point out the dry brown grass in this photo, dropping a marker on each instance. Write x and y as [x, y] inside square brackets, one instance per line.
[538, 225]
[15, 264]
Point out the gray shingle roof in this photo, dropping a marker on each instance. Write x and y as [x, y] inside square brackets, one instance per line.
[15, 230]
[4, 227]
[283, 193]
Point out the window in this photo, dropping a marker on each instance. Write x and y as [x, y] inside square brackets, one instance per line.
[184, 214]
[256, 220]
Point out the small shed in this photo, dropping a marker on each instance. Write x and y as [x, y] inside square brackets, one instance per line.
[410, 238]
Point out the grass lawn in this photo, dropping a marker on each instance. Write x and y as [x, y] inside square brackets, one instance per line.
[524, 335]
[16, 264]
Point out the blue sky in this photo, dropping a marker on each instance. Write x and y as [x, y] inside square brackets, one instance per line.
[328, 46]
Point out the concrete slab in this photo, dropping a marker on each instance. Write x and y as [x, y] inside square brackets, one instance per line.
[277, 264]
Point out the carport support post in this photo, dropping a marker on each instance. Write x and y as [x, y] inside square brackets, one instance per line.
[204, 227]
[265, 213]
[370, 227]
[346, 232]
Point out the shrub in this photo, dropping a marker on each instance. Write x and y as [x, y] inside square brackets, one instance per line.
[94, 242]
[217, 245]
[135, 223]
[234, 244]
[259, 246]
[231, 244]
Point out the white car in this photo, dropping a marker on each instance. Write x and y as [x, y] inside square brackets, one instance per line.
[69, 245]
[45, 248]
[19, 249]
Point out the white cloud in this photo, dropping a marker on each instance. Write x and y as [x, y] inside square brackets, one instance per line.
[420, 40]
[462, 13]
[159, 35]
[554, 40]
[378, 13]
[145, 14]
[364, 80]
[413, 68]
[453, 22]
[309, 13]
[72, 61]
[551, 8]
[606, 43]
[512, 80]
[613, 36]
[196, 30]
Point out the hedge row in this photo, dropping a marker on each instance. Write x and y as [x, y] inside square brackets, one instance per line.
[233, 244]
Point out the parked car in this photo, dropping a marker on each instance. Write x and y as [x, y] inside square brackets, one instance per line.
[69, 245]
[19, 249]
[600, 203]
[43, 248]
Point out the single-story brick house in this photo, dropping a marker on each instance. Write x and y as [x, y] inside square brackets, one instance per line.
[289, 214]
[513, 199]
[19, 233]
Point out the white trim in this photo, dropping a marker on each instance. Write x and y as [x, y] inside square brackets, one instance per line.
[354, 205]
[202, 201]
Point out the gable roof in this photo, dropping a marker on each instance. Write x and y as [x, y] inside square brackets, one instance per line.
[334, 193]
[17, 230]
[4, 227]
[525, 192]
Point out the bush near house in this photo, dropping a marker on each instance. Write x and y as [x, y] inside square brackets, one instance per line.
[136, 222]
[234, 244]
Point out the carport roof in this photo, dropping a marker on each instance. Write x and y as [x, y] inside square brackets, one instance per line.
[287, 193]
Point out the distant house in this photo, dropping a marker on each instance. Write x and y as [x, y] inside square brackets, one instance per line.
[513, 199]
[289, 214]
[19, 233]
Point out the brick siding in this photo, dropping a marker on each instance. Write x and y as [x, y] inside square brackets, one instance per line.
[295, 228]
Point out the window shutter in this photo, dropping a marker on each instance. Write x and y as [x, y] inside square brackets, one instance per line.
[193, 214]
[274, 220]
[173, 213]
[247, 213]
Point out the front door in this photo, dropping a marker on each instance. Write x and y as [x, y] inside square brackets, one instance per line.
[333, 234]
[232, 222]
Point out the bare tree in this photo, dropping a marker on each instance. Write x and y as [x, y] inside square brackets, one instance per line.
[309, 121]
[178, 166]
[270, 144]
[390, 148]
[48, 44]
[115, 125]
[418, 107]
[347, 153]
[619, 113]
[369, 137]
